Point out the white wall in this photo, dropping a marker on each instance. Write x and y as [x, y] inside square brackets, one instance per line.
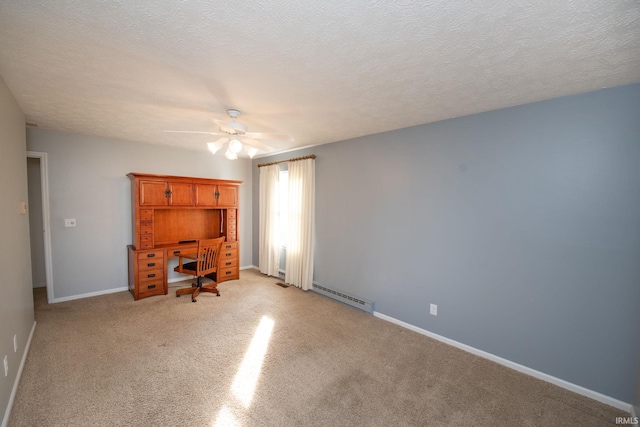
[88, 182]
[16, 301]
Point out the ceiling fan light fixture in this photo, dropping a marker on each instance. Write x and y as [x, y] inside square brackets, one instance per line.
[235, 146]
[252, 152]
[230, 155]
[213, 147]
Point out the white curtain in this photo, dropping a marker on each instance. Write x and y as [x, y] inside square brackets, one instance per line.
[269, 250]
[301, 232]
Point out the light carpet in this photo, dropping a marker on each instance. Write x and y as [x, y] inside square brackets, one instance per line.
[165, 361]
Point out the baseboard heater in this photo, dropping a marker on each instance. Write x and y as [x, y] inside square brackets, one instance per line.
[360, 304]
[364, 305]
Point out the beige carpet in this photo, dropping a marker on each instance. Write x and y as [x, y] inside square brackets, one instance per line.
[165, 361]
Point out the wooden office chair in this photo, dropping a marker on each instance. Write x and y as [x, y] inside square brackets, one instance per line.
[205, 264]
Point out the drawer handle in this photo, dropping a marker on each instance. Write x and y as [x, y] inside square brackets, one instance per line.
[176, 252]
[151, 264]
[151, 275]
[229, 263]
[227, 254]
[150, 255]
[228, 247]
[227, 273]
[151, 287]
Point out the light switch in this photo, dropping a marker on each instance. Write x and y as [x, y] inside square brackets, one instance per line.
[23, 207]
[70, 222]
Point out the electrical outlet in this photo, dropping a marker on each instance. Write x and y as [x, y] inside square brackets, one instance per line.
[70, 222]
[6, 366]
[15, 343]
[433, 309]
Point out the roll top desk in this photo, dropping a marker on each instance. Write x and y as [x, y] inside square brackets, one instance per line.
[169, 215]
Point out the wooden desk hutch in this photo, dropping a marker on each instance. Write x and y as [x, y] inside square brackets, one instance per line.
[170, 214]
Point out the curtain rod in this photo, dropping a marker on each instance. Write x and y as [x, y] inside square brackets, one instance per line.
[312, 156]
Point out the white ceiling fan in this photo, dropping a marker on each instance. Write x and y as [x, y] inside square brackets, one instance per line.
[236, 135]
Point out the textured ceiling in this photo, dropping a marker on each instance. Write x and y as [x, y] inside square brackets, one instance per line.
[319, 71]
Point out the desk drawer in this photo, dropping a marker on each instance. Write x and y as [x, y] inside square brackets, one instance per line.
[230, 262]
[229, 245]
[229, 254]
[146, 215]
[146, 241]
[146, 228]
[155, 275]
[225, 273]
[183, 251]
[147, 289]
[156, 255]
[150, 264]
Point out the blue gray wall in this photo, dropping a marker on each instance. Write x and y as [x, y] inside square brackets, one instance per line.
[88, 182]
[522, 225]
[16, 294]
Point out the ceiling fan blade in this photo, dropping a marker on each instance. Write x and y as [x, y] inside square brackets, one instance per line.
[193, 131]
[269, 136]
[257, 144]
[224, 126]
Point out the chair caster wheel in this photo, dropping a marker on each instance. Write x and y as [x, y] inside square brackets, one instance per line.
[194, 300]
[218, 295]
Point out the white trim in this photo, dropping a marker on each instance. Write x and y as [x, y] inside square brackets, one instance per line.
[39, 285]
[624, 406]
[91, 294]
[247, 267]
[633, 411]
[14, 390]
[46, 220]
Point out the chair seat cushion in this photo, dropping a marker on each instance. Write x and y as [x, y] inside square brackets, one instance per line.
[192, 267]
[189, 267]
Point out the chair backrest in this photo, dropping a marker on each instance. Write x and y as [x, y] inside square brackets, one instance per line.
[208, 251]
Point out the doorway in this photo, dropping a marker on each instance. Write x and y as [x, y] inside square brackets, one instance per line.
[40, 236]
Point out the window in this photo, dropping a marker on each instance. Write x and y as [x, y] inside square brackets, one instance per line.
[283, 208]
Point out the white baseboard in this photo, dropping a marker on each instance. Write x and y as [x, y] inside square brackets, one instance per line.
[247, 267]
[14, 390]
[39, 285]
[90, 294]
[624, 406]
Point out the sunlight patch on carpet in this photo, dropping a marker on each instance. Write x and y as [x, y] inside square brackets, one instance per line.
[226, 418]
[246, 379]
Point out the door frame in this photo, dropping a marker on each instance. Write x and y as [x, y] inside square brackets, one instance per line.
[46, 222]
